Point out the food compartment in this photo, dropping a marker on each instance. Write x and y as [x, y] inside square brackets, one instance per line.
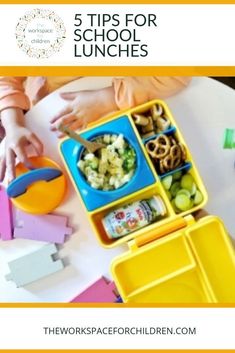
[215, 254]
[105, 230]
[93, 198]
[163, 142]
[151, 119]
[184, 190]
[154, 263]
[186, 287]
[167, 152]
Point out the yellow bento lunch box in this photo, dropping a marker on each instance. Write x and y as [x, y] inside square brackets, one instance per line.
[173, 258]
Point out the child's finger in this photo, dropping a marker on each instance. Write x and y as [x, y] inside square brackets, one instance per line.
[37, 144]
[64, 111]
[65, 120]
[78, 124]
[2, 168]
[22, 156]
[69, 95]
[60, 135]
[10, 164]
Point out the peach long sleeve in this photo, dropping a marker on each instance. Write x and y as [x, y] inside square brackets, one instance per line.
[12, 93]
[133, 90]
[21, 92]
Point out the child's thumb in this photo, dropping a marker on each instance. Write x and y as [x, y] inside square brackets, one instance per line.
[68, 95]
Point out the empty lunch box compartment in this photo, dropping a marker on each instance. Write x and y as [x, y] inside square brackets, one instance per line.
[215, 254]
[160, 259]
[187, 287]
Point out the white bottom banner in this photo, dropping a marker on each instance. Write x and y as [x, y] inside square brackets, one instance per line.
[117, 328]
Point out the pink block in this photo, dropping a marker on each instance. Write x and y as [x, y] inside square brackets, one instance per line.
[48, 228]
[102, 291]
[6, 227]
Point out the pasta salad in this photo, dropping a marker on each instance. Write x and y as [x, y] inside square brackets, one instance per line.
[110, 167]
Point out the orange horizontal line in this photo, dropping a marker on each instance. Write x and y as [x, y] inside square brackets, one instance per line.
[120, 351]
[115, 305]
[117, 71]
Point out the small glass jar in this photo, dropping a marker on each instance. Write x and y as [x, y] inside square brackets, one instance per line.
[134, 216]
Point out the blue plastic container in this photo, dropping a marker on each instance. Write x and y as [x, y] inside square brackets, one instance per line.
[71, 151]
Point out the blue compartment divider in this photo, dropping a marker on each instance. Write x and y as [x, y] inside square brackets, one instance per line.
[169, 131]
[186, 167]
[93, 199]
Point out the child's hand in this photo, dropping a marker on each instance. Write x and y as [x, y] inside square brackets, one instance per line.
[17, 139]
[84, 107]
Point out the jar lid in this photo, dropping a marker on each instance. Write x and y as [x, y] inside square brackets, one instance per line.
[159, 204]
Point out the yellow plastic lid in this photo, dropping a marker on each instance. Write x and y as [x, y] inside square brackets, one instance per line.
[41, 197]
[193, 265]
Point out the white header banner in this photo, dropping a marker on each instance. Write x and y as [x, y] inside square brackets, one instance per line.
[122, 328]
[116, 35]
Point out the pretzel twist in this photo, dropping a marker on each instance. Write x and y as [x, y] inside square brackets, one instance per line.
[173, 159]
[159, 147]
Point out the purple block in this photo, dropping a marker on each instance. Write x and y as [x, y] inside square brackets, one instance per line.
[102, 291]
[48, 228]
[6, 227]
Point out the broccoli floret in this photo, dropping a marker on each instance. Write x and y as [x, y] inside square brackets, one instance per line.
[129, 159]
[93, 163]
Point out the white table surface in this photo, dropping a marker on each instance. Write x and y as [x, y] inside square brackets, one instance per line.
[202, 112]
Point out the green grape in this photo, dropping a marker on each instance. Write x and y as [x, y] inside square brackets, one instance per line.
[175, 187]
[187, 182]
[175, 208]
[177, 175]
[184, 192]
[194, 189]
[191, 204]
[167, 181]
[183, 202]
[198, 197]
[168, 194]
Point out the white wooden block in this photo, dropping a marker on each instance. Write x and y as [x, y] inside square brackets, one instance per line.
[34, 266]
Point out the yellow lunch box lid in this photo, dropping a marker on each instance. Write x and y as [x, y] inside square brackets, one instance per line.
[194, 264]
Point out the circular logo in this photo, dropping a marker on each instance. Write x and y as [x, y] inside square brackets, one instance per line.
[40, 33]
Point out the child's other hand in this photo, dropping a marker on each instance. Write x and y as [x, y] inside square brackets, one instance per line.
[18, 137]
[83, 108]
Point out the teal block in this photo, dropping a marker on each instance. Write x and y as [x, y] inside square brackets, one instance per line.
[34, 266]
